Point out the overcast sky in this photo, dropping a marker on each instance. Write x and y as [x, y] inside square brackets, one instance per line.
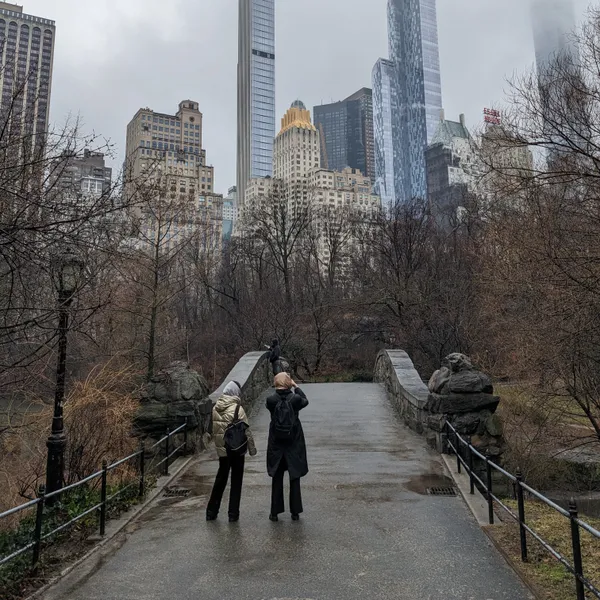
[115, 56]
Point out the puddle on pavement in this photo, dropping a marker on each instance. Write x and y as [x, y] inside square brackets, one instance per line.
[360, 485]
[199, 485]
[421, 483]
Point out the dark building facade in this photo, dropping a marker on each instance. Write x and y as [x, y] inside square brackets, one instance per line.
[26, 61]
[346, 130]
[453, 169]
[85, 175]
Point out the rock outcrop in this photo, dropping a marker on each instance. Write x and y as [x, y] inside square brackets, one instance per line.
[465, 397]
[173, 395]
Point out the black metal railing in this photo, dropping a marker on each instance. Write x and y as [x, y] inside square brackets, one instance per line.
[44, 500]
[467, 458]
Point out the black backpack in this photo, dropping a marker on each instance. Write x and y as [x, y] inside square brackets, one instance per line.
[284, 420]
[236, 440]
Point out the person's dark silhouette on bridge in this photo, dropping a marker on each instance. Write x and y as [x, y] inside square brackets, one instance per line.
[224, 413]
[275, 357]
[286, 450]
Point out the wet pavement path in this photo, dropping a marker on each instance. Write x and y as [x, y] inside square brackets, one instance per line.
[369, 531]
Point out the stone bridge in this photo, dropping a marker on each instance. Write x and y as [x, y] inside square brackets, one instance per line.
[370, 529]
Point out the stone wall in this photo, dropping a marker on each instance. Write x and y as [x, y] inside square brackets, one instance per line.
[408, 393]
[457, 393]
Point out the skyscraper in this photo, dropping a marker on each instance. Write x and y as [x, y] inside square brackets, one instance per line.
[453, 168]
[553, 25]
[346, 130]
[558, 73]
[26, 58]
[383, 115]
[165, 167]
[416, 91]
[175, 143]
[256, 91]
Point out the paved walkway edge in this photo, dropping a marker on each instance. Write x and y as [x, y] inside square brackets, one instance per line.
[476, 502]
[479, 508]
[116, 526]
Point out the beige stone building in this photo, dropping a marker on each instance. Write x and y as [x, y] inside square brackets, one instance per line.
[342, 198]
[166, 163]
[506, 165]
[348, 189]
[298, 175]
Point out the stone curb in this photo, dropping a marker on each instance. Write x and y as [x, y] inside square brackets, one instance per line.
[478, 506]
[116, 526]
[476, 502]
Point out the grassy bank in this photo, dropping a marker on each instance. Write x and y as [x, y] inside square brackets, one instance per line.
[542, 569]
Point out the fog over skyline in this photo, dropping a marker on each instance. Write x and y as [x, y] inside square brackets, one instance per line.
[113, 57]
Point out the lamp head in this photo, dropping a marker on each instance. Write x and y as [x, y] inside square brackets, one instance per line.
[67, 269]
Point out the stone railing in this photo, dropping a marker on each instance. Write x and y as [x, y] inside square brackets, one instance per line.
[457, 393]
[395, 370]
[253, 373]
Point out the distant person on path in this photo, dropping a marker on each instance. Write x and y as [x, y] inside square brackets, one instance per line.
[230, 423]
[275, 357]
[286, 449]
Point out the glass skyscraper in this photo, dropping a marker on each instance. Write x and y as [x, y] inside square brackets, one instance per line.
[553, 25]
[383, 80]
[256, 91]
[346, 128]
[416, 92]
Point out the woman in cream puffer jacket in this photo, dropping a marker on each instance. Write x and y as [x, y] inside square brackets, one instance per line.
[222, 416]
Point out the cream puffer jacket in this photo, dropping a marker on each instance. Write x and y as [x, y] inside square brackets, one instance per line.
[222, 415]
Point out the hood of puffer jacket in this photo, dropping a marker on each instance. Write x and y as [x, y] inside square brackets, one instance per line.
[226, 403]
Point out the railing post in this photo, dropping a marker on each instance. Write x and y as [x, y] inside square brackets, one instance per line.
[103, 498]
[471, 475]
[457, 446]
[166, 468]
[142, 468]
[489, 490]
[521, 504]
[39, 519]
[577, 562]
[185, 437]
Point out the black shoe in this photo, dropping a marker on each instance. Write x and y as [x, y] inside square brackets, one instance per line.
[211, 517]
[295, 517]
[273, 518]
[233, 519]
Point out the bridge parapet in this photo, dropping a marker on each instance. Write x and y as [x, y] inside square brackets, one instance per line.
[253, 373]
[396, 371]
[457, 393]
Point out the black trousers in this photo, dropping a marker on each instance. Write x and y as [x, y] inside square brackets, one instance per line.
[236, 465]
[277, 368]
[277, 502]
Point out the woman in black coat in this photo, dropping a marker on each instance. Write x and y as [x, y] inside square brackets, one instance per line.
[286, 450]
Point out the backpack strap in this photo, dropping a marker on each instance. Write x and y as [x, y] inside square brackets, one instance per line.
[237, 412]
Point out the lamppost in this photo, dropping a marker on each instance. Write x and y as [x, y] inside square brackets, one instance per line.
[66, 273]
